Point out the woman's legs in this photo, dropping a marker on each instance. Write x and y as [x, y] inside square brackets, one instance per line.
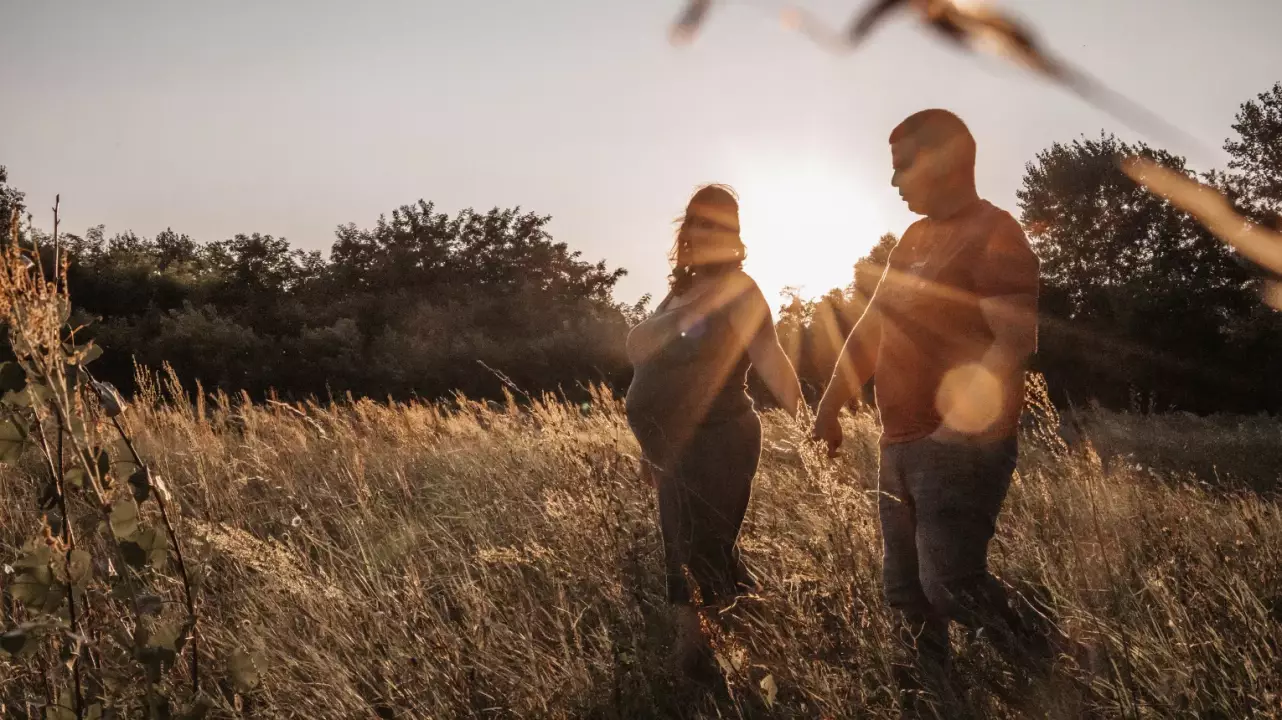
[702, 503]
[703, 496]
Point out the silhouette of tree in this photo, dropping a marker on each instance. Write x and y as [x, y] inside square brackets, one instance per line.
[869, 269]
[10, 198]
[1257, 151]
[1136, 295]
[1102, 238]
[411, 306]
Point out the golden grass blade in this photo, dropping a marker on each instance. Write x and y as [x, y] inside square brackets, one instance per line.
[984, 29]
[1273, 294]
[803, 21]
[989, 30]
[690, 20]
[1212, 209]
[976, 26]
[869, 18]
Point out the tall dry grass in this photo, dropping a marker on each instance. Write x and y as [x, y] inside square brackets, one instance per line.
[413, 560]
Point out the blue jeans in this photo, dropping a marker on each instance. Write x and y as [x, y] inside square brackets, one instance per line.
[938, 506]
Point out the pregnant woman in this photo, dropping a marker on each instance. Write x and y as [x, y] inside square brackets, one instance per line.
[689, 408]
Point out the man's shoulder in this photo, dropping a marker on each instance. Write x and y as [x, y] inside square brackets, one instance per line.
[917, 226]
[907, 239]
[1005, 262]
[992, 214]
[1000, 224]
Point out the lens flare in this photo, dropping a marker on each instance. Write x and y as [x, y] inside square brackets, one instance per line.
[969, 399]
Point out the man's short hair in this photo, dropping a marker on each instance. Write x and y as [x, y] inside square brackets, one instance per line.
[936, 129]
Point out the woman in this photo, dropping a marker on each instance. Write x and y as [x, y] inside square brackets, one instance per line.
[689, 408]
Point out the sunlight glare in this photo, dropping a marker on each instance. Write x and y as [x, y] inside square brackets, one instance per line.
[806, 223]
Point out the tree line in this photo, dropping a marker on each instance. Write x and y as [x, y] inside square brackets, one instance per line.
[1141, 307]
[423, 304]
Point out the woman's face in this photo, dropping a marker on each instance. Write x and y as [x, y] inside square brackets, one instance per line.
[713, 236]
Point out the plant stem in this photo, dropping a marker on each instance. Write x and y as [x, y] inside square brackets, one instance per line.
[68, 541]
[68, 538]
[178, 555]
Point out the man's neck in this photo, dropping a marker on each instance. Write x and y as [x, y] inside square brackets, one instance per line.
[953, 203]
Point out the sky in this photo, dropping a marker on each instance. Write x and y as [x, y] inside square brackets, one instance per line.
[291, 117]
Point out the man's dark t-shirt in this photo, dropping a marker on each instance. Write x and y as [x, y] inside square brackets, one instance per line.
[933, 331]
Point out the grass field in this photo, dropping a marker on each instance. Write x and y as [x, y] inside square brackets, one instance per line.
[484, 561]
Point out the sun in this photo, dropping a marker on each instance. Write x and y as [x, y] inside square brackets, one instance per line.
[805, 223]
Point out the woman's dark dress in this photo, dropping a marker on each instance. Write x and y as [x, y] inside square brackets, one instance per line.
[690, 411]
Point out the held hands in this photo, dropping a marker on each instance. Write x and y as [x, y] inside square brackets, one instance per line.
[827, 429]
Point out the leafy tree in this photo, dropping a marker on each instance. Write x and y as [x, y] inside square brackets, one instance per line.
[1257, 151]
[1101, 237]
[869, 269]
[10, 198]
[413, 306]
[498, 251]
[1136, 295]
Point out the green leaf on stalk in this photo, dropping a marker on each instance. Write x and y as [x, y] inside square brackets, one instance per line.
[13, 438]
[124, 519]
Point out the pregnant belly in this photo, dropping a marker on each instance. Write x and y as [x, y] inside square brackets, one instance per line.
[673, 401]
[652, 396]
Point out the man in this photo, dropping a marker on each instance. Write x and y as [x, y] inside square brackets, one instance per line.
[946, 339]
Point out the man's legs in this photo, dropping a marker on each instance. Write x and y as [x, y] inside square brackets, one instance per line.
[959, 491]
[921, 632]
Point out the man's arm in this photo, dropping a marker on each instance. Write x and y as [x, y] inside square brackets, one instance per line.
[977, 399]
[1006, 285]
[855, 363]
[1013, 321]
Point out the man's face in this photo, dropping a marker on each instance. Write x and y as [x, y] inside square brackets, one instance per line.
[917, 174]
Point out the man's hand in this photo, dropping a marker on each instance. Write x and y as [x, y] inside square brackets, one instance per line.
[828, 430]
[856, 364]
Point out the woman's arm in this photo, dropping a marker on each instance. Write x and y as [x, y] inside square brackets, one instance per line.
[774, 367]
[752, 321]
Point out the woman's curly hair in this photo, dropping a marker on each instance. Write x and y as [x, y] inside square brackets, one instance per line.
[712, 208]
